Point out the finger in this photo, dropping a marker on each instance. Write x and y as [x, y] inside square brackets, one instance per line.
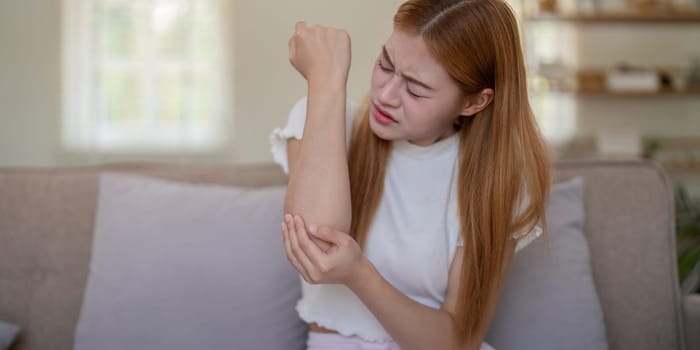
[296, 228]
[323, 245]
[288, 249]
[292, 47]
[299, 253]
[307, 246]
[290, 255]
[300, 256]
[299, 26]
[329, 234]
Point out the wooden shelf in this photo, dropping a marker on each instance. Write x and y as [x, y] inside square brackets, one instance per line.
[687, 17]
[681, 167]
[585, 146]
[609, 93]
[677, 143]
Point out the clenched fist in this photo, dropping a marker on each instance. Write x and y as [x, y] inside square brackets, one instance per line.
[320, 53]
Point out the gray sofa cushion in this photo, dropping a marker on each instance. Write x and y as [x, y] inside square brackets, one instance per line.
[184, 266]
[549, 299]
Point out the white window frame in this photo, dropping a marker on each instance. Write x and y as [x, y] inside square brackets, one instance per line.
[82, 129]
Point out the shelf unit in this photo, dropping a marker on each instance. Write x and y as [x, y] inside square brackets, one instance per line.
[692, 17]
[680, 156]
[631, 94]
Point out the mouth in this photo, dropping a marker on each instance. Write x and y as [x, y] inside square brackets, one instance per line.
[383, 117]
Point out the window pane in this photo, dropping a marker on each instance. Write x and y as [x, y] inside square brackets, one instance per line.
[205, 99]
[122, 98]
[206, 37]
[171, 99]
[153, 72]
[170, 25]
[119, 24]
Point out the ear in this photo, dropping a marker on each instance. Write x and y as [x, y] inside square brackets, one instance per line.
[477, 102]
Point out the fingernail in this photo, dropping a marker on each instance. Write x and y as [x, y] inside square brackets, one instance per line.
[313, 228]
[288, 217]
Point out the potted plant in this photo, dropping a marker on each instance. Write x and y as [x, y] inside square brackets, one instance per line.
[688, 239]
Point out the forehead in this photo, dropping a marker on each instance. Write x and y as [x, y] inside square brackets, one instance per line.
[410, 55]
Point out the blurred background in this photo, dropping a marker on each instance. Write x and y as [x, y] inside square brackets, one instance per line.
[95, 81]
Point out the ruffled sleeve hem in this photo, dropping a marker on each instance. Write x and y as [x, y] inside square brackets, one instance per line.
[278, 143]
[524, 241]
[293, 129]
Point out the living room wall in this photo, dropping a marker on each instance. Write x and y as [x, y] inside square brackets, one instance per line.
[265, 84]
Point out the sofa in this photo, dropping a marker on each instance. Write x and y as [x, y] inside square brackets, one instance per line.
[47, 217]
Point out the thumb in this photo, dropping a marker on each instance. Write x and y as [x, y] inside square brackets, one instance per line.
[325, 233]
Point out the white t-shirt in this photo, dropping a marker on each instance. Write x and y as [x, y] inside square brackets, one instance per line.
[412, 240]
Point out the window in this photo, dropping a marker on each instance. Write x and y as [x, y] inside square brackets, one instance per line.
[145, 76]
[544, 52]
[549, 48]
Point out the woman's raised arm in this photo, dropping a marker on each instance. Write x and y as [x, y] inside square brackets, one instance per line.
[319, 183]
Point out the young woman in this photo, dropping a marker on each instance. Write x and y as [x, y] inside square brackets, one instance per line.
[404, 213]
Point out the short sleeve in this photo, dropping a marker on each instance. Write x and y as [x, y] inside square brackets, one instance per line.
[295, 129]
[524, 238]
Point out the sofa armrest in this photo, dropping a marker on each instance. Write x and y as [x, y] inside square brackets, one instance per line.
[691, 313]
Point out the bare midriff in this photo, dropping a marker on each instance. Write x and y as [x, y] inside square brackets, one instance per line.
[318, 329]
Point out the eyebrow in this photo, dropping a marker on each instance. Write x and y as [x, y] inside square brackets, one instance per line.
[407, 77]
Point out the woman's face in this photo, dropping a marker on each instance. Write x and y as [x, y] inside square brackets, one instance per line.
[413, 98]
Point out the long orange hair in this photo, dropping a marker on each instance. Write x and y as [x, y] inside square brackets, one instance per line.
[502, 151]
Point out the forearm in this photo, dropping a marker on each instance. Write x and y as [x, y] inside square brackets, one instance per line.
[411, 324]
[319, 187]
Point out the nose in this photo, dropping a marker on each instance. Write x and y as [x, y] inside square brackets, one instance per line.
[389, 93]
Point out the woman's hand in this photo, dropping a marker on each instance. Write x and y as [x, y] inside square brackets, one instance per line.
[339, 263]
[320, 53]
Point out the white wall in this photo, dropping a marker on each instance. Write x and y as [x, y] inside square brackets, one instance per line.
[265, 84]
[29, 81]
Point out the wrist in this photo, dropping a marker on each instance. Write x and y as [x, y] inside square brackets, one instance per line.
[361, 274]
[330, 91]
[328, 82]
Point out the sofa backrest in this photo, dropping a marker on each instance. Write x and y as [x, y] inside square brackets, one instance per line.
[46, 227]
[629, 226]
[46, 222]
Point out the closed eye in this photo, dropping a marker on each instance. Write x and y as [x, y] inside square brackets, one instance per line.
[411, 92]
[383, 68]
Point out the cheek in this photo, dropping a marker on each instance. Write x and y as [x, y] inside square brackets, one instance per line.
[423, 114]
[415, 113]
